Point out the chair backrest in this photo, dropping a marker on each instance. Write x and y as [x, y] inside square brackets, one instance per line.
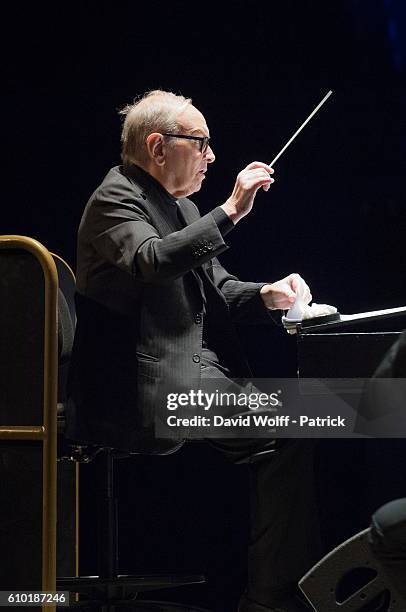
[37, 322]
[66, 322]
[28, 396]
[66, 279]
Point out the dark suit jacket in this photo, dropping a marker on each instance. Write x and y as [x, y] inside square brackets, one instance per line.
[141, 307]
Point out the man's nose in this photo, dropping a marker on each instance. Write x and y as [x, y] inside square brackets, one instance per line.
[210, 157]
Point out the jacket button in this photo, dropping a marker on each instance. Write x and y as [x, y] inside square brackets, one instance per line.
[198, 318]
[196, 358]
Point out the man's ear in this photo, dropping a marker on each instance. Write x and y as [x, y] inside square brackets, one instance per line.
[155, 148]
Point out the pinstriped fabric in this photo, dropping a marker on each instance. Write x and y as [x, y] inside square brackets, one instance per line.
[142, 284]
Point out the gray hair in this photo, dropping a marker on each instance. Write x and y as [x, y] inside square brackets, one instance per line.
[154, 111]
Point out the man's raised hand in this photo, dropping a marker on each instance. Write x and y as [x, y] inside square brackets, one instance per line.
[249, 180]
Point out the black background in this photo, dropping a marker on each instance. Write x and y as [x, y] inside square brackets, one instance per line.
[336, 213]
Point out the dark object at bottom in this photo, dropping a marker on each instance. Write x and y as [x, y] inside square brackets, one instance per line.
[350, 579]
[388, 541]
[164, 606]
[137, 605]
[292, 604]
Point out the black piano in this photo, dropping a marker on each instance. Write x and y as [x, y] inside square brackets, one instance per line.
[354, 476]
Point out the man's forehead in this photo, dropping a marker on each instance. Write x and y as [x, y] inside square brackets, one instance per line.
[192, 120]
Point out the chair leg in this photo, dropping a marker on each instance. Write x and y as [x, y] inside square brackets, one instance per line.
[107, 519]
[110, 592]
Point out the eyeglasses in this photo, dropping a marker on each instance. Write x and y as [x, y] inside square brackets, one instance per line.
[203, 140]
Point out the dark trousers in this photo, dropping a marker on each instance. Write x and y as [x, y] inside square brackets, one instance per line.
[284, 537]
[388, 541]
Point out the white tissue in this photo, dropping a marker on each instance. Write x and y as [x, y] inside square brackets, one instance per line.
[307, 312]
[318, 310]
[297, 310]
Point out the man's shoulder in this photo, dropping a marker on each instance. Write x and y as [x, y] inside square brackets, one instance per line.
[117, 181]
[116, 192]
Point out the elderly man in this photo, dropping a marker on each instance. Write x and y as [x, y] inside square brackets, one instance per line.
[156, 311]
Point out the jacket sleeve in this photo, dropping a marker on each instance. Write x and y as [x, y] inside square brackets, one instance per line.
[120, 230]
[164, 259]
[243, 298]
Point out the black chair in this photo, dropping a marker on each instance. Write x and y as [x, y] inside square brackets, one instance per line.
[107, 591]
[28, 397]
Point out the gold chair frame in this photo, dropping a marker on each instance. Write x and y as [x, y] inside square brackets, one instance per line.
[47, 432]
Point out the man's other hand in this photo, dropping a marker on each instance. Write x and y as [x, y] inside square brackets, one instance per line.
[282, 294]
[249, 180]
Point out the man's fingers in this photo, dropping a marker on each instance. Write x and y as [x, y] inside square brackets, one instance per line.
[249, 180]
[257, 171]
[283, 293]
[295, 280]
[256, 179]
[300, 287]
[257, 164]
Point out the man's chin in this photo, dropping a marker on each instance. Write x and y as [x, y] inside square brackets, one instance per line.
[193, 189]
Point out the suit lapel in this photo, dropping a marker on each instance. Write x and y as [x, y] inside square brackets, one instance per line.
[166, 215]
[162, 213]
[187, 211]
[161, 207]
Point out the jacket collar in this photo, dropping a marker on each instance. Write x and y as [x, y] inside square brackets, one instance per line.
[148, 183]
[158, 199]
